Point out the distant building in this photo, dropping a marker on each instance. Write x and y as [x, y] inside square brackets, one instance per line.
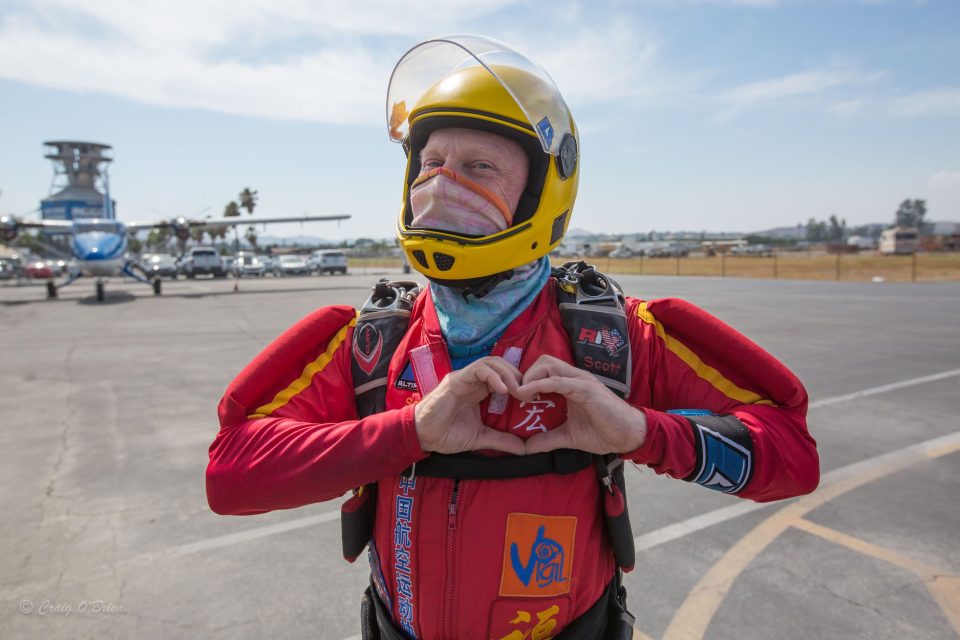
[899, 240]
[80, 186]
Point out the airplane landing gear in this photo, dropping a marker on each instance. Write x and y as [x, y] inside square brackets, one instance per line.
[51, 290]
[156, 286]
[101, 293]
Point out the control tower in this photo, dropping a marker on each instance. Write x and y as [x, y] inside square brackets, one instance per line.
[80, 187]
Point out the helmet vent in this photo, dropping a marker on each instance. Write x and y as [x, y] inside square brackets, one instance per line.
[420, 257]
[443, 261]
[558, 225]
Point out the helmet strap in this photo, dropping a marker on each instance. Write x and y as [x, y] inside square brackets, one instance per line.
[486, 286]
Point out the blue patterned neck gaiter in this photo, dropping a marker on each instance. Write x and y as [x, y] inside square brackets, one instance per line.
[471, 327]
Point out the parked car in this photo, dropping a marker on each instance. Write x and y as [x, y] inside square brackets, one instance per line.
[59, 266]
[291, 265]
[330, 262]
[202, 261]
[249, 264]
[757, 250]
[162, 265]
[10, 268]
[38, 269]
[271, 262]
[672, 251]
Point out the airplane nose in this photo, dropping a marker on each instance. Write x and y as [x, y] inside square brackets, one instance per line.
[96, 246]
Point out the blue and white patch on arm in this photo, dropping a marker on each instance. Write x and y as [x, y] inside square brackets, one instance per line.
[724, 453]
[691, 412]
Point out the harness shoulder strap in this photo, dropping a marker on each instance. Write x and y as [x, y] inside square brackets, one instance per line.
[592, 310]
[382, 323]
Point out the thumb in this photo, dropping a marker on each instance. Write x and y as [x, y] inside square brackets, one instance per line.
[552, 440]
[488, 438]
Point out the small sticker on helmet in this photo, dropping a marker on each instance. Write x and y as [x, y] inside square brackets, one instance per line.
[546, 131]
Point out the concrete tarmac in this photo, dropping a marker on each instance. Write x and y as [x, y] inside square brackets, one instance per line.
[108, 410]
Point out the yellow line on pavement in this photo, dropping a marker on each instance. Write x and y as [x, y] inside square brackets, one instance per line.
[691, 620]
[944, 587]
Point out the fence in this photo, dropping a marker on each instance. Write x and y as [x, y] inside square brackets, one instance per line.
[920, 267]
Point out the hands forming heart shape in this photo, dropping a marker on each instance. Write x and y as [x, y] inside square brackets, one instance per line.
[448, 418]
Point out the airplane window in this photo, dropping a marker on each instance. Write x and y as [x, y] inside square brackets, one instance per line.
[101, 226]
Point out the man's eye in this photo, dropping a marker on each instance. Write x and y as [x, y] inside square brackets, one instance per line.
[482, 165]
[432, 164]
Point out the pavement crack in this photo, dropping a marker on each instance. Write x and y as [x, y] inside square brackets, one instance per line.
[848, 600]
[67, 422]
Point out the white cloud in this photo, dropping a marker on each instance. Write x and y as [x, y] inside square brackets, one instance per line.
[795, 85]
[234, 57]
[736, 3]
[943, 101]
[597, 63]
[324, 61]
[945, 178]
[847, 107]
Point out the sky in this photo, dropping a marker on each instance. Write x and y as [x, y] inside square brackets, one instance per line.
[715, 115]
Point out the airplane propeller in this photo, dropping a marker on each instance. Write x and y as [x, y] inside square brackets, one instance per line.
[9, 228]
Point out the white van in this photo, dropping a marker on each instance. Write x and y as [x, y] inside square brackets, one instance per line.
[329, 262]
[203, 261]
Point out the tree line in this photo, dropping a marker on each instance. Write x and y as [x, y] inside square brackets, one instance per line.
[910, 213]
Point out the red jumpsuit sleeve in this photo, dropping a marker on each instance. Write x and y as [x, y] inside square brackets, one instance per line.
[684, 358]
[289, 433]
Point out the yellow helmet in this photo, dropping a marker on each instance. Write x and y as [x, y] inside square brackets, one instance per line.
[477, 83]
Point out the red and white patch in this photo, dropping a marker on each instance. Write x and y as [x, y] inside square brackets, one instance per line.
[367, 347]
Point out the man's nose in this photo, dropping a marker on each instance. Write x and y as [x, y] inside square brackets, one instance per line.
[453, 164]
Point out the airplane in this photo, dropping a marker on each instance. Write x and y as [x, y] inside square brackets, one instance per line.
[100, 244]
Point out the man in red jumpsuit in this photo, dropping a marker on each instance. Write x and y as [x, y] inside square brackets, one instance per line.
[486, 365]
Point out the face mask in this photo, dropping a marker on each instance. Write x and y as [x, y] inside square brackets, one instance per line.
[442, 199]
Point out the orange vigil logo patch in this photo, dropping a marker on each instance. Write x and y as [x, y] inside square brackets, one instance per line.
[537, 555]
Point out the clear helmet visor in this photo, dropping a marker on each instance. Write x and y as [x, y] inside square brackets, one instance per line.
[431, 61]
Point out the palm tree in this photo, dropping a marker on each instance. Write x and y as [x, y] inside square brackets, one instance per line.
[251, 236]
[232, 211]
[248, 201]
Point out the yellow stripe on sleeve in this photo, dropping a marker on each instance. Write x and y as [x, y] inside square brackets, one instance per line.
[309, 371]
[703, 370]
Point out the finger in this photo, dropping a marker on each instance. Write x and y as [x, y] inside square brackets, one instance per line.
[488, 438]
[476, 370]
[571, 388]
[479, 379]
[547, 366]
[559, 438]
[491, 377]
[510, 375]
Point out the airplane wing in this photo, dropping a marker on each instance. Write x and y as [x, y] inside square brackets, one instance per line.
[10, 226]
[180, 223]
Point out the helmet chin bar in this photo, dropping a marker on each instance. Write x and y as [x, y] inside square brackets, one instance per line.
[476, 287]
